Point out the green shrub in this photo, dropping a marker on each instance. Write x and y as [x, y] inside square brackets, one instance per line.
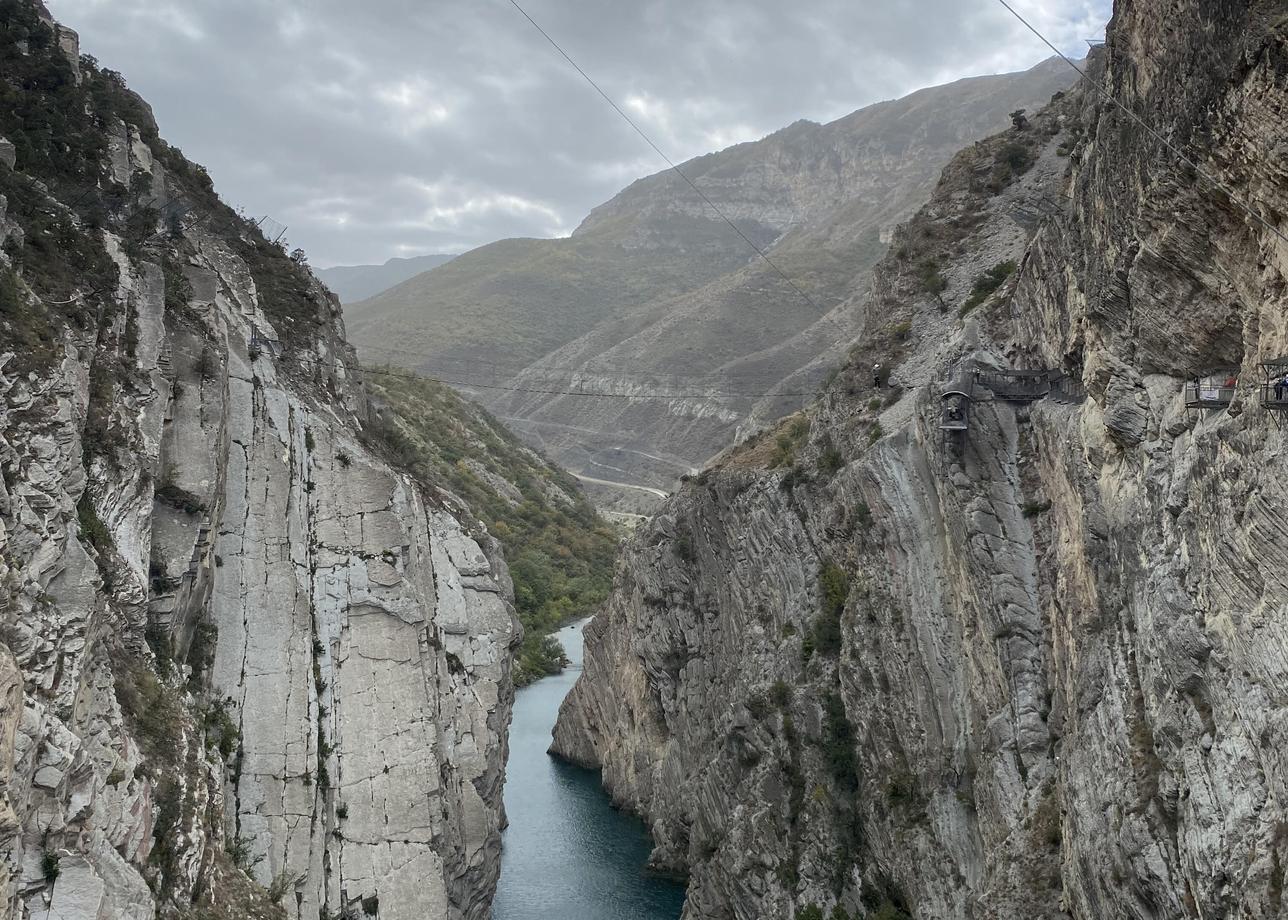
[789, 441]
[49, 865]
[810, 912]
[834, 590]
[239, 850]
[682, 546]
[539, 655]
[201, 654]
[151, 709]
[1032, 509]
[831, 461]
[169, 492]
[780, 694]
[1017, 157]
[807, 647]
[158, 640]
[222, 733]
[282, 883]
[839, 743]
[901, 788]
[796, 476]
[92, 528]
[986, 283]
[932, 281]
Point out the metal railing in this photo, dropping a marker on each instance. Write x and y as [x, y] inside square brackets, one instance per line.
[1205, 395]
[1274, 397]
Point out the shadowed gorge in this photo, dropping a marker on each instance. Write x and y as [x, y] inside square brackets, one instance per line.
[622, 579]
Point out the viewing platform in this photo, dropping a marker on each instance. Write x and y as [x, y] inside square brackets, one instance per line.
[1274, 392]
[1213, 392]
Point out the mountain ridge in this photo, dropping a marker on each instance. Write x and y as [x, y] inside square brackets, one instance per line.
[358, 282]
[653, 282]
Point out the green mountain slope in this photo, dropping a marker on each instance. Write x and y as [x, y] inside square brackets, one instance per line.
[560, 552]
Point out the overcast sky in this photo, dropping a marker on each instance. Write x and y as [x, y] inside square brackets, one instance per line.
[388, 128]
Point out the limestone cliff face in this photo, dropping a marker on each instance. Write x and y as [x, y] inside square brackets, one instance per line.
[1032, 671]
[249, 668]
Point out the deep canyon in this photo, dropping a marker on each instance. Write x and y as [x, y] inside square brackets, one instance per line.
[996, 631]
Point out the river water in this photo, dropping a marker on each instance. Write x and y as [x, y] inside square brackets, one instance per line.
[568, 854]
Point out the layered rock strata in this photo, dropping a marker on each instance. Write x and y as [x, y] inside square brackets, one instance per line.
[1031, 670]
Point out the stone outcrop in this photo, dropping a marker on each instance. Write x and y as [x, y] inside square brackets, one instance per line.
[1030, 671]
[248, 666]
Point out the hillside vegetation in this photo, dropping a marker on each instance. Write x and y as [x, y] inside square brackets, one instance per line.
[560, 552]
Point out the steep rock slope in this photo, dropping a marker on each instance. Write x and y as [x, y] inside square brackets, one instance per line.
[1031, 671]
[558, 550]
[654, 293]
[250, 668]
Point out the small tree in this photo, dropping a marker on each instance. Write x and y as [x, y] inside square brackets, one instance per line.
[299, 257]
[1018, 120]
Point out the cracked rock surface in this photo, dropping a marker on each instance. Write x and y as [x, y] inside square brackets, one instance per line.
[240, 650]
[1033, 671]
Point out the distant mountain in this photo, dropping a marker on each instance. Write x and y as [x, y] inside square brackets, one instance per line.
[654, 294]
[357, 282]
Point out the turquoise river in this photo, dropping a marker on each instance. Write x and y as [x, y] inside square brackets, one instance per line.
[569, 855]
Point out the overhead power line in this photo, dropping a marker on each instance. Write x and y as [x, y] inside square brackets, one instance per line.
[1211, 179]
[669, 162]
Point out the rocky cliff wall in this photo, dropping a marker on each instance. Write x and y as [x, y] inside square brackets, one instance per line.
[1029, 671]
[249, 668]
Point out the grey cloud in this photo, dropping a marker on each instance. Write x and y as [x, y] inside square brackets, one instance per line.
[394, 127]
